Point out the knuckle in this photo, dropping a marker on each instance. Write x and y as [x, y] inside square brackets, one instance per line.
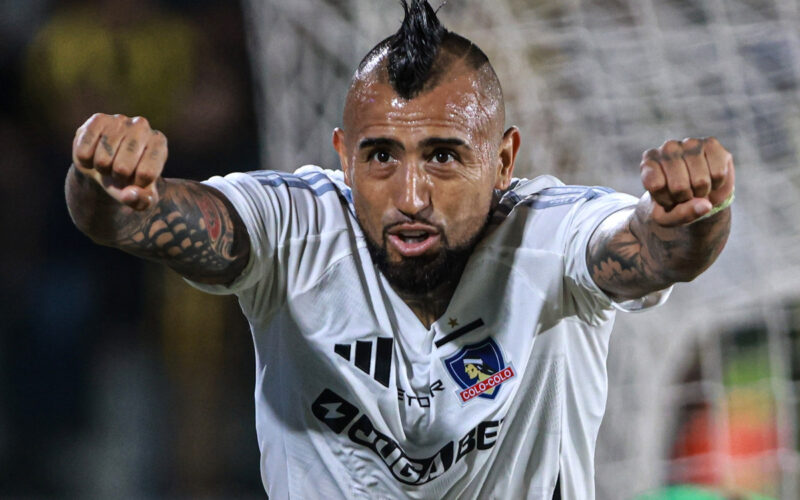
[680, 189]
[102, 161]
[158, 141]
[650, 154]
[701, 184]
[652, 185]
[670, 145]
[692, 143]
[123, 168]
[141, 121]
[145, 177]
[96, 117]
[83, 154]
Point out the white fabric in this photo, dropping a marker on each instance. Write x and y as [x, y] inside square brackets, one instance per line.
[349, 422]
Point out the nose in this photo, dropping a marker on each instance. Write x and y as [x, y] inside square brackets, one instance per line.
[413, 192]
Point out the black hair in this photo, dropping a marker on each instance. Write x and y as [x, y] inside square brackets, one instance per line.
[413, 49]
[413, 53]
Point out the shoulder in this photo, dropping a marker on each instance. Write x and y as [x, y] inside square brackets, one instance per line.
[544, 213]
[544, 192]
[284, 205]
[306, 180]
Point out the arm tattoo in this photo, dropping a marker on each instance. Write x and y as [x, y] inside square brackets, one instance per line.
[629, 256]
[193, 229]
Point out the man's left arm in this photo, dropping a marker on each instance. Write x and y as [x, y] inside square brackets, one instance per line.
[669, 236]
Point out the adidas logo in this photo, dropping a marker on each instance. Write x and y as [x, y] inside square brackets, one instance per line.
[378, 366]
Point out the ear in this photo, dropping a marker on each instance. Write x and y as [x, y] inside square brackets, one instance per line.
[507, 155]
[339, 146]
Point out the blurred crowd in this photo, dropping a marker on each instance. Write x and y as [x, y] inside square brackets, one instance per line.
[116, 379]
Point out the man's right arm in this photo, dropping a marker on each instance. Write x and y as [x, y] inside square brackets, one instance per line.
[117, 197]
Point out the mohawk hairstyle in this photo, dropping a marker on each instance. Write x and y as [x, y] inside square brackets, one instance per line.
[413, 49]
[422, 50]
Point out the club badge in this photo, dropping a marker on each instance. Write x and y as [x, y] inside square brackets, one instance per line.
[479, 369]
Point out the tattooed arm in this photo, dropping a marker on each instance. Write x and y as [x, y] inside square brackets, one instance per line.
[192, 228]
[630, 256]
[116, 195]
[665, 240]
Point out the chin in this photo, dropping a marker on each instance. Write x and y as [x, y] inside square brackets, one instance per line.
[425, 273]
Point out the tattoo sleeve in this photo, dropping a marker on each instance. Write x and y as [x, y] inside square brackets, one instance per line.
[630, 256]
[193, 228]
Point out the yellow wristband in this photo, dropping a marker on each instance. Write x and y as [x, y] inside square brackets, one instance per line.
[719, 208]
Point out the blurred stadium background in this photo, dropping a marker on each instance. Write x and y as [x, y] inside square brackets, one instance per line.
[118, 381]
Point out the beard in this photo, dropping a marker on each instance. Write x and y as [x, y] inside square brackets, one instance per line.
[425, 273]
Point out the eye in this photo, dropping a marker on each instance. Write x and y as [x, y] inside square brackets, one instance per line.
[443, 156]
[381, 156]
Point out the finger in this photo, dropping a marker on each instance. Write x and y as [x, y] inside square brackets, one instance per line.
[86, 140]
[719, 161]
[152, 161]
[697, 166]
[678, 182]
[107, 147]
[130, 151]
[683, 213]
[653, 179]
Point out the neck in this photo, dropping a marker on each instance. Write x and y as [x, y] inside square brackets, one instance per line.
[430, 306]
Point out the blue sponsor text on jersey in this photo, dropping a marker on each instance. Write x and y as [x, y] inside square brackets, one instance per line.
[340, 415]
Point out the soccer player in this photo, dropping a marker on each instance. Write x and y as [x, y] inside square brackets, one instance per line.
[374, 293]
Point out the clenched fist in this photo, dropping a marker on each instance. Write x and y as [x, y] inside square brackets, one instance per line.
[123, 155]
[686, 179]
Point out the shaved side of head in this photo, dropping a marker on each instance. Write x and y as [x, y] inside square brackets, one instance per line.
[419, 57]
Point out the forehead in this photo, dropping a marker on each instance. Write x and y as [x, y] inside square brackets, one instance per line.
[457, 105]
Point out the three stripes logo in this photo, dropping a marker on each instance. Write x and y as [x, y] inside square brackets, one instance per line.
[378, 366]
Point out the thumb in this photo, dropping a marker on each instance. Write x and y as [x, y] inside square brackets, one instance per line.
[681, 214]
[138, 198]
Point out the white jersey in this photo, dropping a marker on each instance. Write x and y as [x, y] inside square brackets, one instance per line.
[356, 398]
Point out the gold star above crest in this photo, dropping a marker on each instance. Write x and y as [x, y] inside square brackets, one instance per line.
[453, 322]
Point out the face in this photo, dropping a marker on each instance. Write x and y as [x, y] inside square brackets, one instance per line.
[472, 372]
[423, 172]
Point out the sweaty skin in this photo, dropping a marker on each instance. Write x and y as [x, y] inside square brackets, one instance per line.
[431, 162]
[662, 241]
[117, 197]
[422, 173]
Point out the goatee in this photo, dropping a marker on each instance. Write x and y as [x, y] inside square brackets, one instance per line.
[420, 275]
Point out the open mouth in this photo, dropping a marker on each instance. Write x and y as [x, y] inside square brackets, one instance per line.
[412, 240]
[413, 236]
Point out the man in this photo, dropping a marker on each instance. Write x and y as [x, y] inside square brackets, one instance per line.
[374, 293]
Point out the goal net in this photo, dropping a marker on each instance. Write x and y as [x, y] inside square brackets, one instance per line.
[702, 390]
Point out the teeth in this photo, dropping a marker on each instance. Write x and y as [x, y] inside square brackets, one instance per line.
[413, 236]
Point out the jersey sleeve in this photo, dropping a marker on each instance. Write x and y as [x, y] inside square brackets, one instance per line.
[262, 211]
[298, 225]
[586, 215]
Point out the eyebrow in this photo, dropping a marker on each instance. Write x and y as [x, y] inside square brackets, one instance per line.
[372, 142]
[439, 141]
